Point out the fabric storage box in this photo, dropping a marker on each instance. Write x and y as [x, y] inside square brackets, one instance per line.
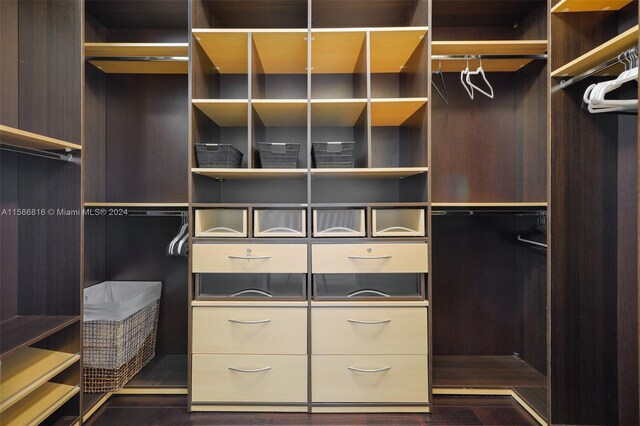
[333, 154]
[210, 155]
[279, 155]
[120, 328]
[339, 223]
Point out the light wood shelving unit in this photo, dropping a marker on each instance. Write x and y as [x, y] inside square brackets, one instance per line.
[394, 112]
[374, 173]
[602, 53]
[391, 48]
[281, 112]
[27, 369]
[336, 112]
[281, 51]
[23, 139]
[227, 49]
[39, 404]
[251, 173]
[487, 47]
[225, 112]
[108, 57]
[566, 6]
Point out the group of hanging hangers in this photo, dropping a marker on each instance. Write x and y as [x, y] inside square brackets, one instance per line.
[595, 95]
[465, 79]
[179, 246]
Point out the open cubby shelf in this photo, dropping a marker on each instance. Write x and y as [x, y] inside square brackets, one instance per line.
[564, 6]
[228, 50]
[391, 48]
[608, 50]
[23, 139]
[24, 330]
[394, 112]
[39, 404]
[133, 58]
[224, 112]
[336, 112]
[281, 112]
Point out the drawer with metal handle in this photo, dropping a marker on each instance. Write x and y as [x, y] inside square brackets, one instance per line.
[369, 258]
[249, 258]
[369, 330]
[250, 330]
[369, 379]
[249, 378]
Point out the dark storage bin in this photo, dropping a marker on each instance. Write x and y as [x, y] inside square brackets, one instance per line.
[334, 155]
[212, 155]
[279, 155]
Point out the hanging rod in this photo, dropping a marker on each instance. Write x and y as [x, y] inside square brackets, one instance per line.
[475, 212]
[131, 211]
[67, 157]
[487, 57]
[603, 66]
[139, 58]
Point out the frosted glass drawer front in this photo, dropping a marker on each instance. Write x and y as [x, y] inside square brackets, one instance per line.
[369, 378]
[367, 286]
[250, 258]
[398, 222]
[369, 258]
[249, 330]
[240, 286]
[369, 330]
[221, 223]
[339, 223]
[249, 378]
[279, 223]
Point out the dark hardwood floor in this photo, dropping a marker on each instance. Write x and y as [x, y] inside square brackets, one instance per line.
[170, 410]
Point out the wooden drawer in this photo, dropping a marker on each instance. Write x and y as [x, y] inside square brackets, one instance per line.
[369, 378]
[238, 330]
[250, 258]
[369, 258]
[365, 330]
[249, 378]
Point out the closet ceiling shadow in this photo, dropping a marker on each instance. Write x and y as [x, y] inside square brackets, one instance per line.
[166, 14]
[474, 13]
[357, 13]
[256, 13]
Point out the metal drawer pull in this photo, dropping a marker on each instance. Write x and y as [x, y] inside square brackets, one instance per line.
[249, 257]
[386, 321]
[255, 370]
[249, 322]
[364, 370]
[367, 291]
[388, 256]
[252, 291]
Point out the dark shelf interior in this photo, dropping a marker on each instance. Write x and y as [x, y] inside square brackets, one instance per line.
[24, 330]
[164, 371]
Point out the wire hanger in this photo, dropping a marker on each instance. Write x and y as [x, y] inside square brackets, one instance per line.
[445, 96]
[464, 72]
[480, 72]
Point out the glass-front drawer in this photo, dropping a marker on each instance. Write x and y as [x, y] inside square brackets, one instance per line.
[368, 286]
[251, 286]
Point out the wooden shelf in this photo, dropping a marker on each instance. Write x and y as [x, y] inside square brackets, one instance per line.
[540, 204]
[27, 369]
[336, 51]
[98, 54]
[251, 173]
[281, 112]
[391, 48]
[39, 404]
[565, 6]
[134, 205]
[91, 402]
[489, 47]
[281, 51]
[225, 112]
[394, 111]
[228, 50]
[21, 331]
[600, 54]
[336, 112]
[372, 173]
[23, 139]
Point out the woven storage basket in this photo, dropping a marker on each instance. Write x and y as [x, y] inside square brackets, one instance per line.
[279, 155]
[115, 351]
[333, 154]
[218, 155]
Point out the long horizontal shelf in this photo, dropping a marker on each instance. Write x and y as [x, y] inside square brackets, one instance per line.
[251, 173]
[600, 54]
[23, 139]
[25, 330]
[391, 172]
[338, 52]
[281, 112]
[39, 404]
[225, 112]
[135, 205]
[394, 111]
[565, 6]
[336, 112]
[227, 50]
[27, 369]
[154, 58]
[497, 204]
[391, 48]
[280, 52]
[487, 47]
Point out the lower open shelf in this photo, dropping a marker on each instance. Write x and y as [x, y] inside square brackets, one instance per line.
[24, 330]
[39, 404]
[164, 371]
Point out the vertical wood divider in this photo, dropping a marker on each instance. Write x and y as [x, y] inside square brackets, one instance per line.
[249, 100]
[191, 148]
[368, 61]
[429, 282]
[309, 199]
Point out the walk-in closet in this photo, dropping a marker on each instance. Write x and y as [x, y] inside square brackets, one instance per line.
[335, 211]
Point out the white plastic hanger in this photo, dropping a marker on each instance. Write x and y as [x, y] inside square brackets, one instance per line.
[480, 72]
[595, 94]
[462, 76]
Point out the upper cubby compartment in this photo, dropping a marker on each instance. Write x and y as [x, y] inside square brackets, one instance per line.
[378, 13]
[570, 6]
[249, 14]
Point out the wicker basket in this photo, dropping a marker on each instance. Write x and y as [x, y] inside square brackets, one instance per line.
[333, 154]
[218, 155]
[115, 351]
[279, 155]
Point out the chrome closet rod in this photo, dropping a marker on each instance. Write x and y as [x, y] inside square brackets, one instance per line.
[67, 157]
[487, 57]
[139, 58]
[603, 66]
[132, 211]
[477, 212]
